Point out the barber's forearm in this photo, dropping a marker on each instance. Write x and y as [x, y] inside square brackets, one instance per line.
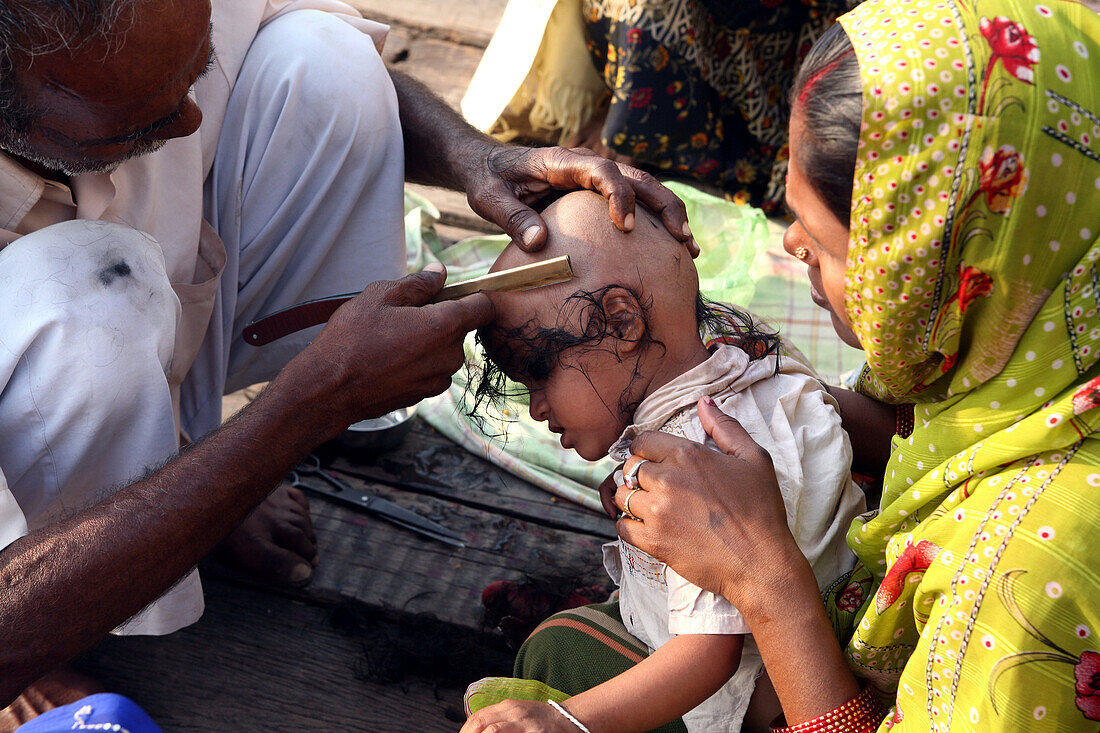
[69, 584]
[870, 425]
[797, 643]
[439, 145]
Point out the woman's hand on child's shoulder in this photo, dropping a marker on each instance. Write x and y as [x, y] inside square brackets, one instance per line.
[718, 519]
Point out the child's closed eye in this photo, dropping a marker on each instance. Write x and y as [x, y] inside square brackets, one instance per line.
[536, 366]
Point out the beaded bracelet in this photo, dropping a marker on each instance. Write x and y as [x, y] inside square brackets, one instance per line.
[904, 422]
[568, 716]
[862, 714]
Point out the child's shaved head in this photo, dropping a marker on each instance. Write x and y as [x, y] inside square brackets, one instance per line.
[647, 261]
[591, 348]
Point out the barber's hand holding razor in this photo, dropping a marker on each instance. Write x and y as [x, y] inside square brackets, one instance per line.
[390, 347]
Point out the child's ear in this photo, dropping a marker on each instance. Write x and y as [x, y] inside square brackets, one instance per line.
[625, 319]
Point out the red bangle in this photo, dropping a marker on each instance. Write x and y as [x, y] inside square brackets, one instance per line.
[904, 423]
[862, 714]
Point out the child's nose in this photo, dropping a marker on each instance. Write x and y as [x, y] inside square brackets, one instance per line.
[540, 408]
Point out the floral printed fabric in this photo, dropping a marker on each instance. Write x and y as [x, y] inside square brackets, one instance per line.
[973, 282]
[699, 87]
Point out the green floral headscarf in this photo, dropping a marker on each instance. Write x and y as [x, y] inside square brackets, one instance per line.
[973, 284]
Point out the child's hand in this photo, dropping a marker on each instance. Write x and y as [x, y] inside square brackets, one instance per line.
[519, 716]
[607, 493]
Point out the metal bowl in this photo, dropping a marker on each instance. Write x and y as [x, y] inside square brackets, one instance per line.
[377, 434]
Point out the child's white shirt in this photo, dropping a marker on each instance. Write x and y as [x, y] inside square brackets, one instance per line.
[793, 418]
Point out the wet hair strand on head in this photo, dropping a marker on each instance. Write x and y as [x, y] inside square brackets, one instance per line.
[532, 350]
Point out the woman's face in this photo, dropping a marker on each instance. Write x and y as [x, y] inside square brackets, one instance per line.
[817, 229]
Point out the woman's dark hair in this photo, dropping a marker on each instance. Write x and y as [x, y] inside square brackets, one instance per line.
[532, 350]
[827, 94]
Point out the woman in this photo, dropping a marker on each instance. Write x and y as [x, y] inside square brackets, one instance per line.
[962, 261]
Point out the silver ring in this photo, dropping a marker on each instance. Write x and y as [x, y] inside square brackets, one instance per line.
[630, 478]
[626, 506]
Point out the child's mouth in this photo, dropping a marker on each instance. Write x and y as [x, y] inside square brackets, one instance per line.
[560, 431]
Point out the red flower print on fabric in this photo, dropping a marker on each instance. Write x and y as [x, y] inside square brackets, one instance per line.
[914, 559]
[1086, 674]
[1012, 46]
[1003, 177]
[1086, 667]
[1087, 397]
[852, 597]
[706, 166]
[973, 283]
[641, 97]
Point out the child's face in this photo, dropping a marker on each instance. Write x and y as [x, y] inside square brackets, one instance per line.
[580, 357]
[566, 393]
[588, 350]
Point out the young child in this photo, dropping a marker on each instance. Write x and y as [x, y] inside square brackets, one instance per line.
[617, 351]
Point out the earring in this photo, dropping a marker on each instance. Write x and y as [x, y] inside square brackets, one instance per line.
[801, 253]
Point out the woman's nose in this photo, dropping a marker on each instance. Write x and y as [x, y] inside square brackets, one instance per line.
[790, 243]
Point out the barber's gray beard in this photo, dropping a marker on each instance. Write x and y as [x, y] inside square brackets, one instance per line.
[17, 145]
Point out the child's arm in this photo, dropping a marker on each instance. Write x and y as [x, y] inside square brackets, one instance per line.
[670, 682]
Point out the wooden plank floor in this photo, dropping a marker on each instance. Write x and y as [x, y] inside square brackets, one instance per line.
[470, 22]
[384, 604]
[512, 530]
[263, 661]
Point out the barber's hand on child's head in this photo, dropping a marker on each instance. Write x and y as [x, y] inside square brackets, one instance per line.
[715, 518]
[514, 177]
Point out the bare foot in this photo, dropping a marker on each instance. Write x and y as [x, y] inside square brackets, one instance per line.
[60, 687]
[275, 542]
